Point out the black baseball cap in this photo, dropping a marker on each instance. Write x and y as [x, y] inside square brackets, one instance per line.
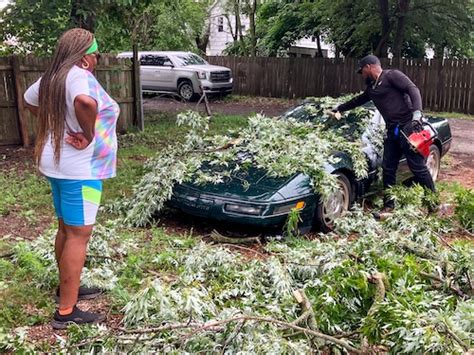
[369, 59]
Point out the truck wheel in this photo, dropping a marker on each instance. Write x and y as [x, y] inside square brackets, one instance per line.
[185, 90]
[433, 161]
[336, 205]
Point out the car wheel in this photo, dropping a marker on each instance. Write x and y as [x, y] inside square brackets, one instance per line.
[335, 206]
[433, 161]
[185, 90]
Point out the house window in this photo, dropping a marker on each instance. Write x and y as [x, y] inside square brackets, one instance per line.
[313, 38]
[242, 27]
[220, 24]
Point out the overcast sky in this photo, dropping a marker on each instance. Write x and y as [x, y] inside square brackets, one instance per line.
[3, 3]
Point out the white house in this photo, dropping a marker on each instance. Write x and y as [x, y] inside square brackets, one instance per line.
[222, 26]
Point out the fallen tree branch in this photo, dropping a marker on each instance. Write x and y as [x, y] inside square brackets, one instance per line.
[219, 238]
[167, 327]
[346, 335]
[93, 256]
[216, 326]
[442, 240]
[420, 252]
[243, 248]
[308, 314]
[301, 318]
[7, 256]
[307, 308]
[380, 281]
[232, 336]
[288, 335]
[456, 339]
[468, 279]
[464, 230]
[456, 290]
[286, 325]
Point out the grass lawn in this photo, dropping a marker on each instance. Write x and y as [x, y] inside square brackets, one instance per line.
[458, 115]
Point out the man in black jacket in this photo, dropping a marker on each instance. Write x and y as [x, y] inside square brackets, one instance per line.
[399, 101]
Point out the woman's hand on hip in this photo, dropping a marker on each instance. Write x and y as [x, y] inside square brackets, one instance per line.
[77, 140]
[85, 108]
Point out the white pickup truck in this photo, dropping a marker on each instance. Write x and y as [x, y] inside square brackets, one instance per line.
[185, 73]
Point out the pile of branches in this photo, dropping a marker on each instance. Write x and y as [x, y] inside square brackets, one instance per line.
[396, 285]
[370, 286]
[281, 147]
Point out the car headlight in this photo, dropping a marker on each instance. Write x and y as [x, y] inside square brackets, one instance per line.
[285, 209]
[243, 209]
[201, 74]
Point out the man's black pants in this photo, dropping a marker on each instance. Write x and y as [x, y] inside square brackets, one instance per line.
[394, 147]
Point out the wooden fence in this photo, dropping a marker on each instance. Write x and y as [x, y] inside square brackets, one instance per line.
[445, 85]
[17, 126]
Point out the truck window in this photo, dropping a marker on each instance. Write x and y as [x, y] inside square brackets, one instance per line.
[156, 61]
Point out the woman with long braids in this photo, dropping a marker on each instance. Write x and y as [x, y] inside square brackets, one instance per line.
[76, 148]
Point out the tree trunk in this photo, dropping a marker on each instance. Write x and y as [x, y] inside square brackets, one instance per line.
[381, 50]
[238, 24]
[83, 15]
[203, 40]
[337, 54]
[253, 37]
[233, 33]
[238, 27]
[439, 51]
[403, 8]
[318, 43]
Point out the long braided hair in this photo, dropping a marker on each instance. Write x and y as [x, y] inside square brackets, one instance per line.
[71, 47]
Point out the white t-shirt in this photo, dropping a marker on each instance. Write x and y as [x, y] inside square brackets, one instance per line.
[99, 159]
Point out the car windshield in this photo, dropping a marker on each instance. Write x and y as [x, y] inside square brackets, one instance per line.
[189, 59]
[303, 112]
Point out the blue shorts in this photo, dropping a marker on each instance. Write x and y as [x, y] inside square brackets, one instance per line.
[76, 201]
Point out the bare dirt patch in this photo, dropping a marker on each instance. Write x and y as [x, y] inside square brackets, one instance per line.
[45, 334]
[244, 106]
[460, 169]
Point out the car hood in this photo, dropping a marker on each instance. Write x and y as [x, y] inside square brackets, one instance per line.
[252, 184]
[206, 67]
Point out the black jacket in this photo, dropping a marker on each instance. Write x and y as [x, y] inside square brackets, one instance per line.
[394, 95]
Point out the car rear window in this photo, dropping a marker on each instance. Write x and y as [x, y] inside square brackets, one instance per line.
[189, 59]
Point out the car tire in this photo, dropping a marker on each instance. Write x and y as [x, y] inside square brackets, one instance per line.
[336, 205]
[185, 90]
[433, 162]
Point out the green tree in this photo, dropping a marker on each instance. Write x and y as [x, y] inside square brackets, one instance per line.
[161, 25]
[357, 28]
[34, 26]
[281, 24]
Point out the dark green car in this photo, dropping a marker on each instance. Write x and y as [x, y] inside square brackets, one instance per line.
[266, 201]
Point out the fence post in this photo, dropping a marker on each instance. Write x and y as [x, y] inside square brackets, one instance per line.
[137, 91]
[21, 107]
[470, 87]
